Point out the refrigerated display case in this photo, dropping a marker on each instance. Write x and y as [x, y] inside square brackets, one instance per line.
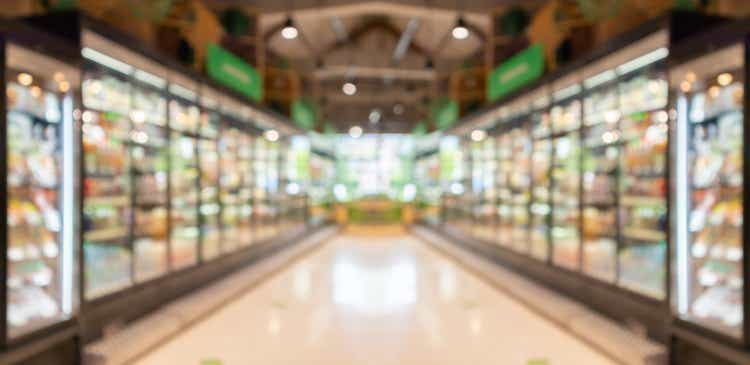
[455, 181]
[427, 177]
[184, 173]
[149, 153]
[642, 188]
[138, 150]
[108, 254]
[212, 244]
[541, 164]
[235, 165]
[294, 181]
[41, 185]
[599, 174]
[273, 191]
[125, 168]
[265, 169]
[514, 147]
[599, 167]
[708, 133]
[565, 119]
[322, 178]
[483, 181]
[504, 206]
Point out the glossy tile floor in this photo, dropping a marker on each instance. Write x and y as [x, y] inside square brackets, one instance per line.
[374, 299]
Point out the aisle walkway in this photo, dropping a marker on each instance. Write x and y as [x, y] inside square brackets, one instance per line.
[374, 300]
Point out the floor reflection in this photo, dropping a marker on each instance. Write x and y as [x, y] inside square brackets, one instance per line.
[374, 300]
[385, 283]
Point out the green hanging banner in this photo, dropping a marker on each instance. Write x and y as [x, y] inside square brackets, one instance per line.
[231, 71]
[444, 113]
[420, 129]
[521, 69]
[329, 129]
[303, 114]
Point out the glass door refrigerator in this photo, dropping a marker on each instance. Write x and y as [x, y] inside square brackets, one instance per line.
[296, 180]
[452, 179]
[148, 145]
[184, 221]
[600, 161]
[503, 204]
[41, 132]
[107, 210]
[234, 165]
[486, 206]
[642, 222]
[541, 163]
[566, 118]
[261, 208]
[212, 244]
[273, 192]
[244, 204]
[707, 81]
[514, 147]
[624, 164]
[126, 161]
[322, 180]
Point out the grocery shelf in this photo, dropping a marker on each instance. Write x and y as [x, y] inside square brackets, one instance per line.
[644, 234]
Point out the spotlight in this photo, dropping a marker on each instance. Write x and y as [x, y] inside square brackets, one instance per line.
[271, 135]
[478, 135]
[460, 31]
[398, 109]
[349, 88]
[289, 31]
[355, 131]
[374, 116]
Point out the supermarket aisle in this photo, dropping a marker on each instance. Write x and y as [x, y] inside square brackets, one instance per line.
[374, 299]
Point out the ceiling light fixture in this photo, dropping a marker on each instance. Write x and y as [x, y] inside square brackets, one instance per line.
[460, 31]
[289, 31]
[271, 135]
[398, 109]
[478, 135]
[349, 88]
[355, 131]
[375, 116]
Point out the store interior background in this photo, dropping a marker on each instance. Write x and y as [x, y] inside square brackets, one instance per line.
[538, 133]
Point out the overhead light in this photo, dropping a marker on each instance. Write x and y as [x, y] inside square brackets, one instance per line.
[289, 31]
[349, 88]
[375, 116]
[355, 131]
[64, 86]
[478, 135]
[460, 31]
[271, 135]
[724, 79]
[25, 79]
[106, 61]
[398, 109]
[58, 77]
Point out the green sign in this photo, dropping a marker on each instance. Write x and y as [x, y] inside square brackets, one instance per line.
[329, 129]
[420, 129]
[521, 69]
[231, 71]
[445, 112]
[303, 114]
